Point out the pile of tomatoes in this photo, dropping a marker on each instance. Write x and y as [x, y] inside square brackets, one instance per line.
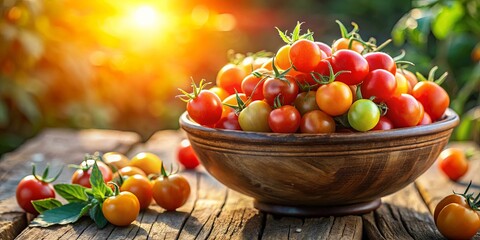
[135, 182]
[312, 87]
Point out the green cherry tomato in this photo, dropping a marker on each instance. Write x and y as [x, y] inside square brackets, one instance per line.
[255, 117]
[363, 115]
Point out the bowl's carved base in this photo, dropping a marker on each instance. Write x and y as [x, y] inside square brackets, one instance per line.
[318, 211]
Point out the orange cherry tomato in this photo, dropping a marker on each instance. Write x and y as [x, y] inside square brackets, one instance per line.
[141, 187]
[230, 78]
[147, 162]
[453, 162]
[171, 192]
[334, 98]
[122, 209]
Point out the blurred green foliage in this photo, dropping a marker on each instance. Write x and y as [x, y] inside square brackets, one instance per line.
[446, 33]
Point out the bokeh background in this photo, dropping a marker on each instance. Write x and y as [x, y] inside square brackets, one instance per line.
[117, 64]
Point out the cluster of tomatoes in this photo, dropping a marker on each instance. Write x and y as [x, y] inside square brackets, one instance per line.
[136, 181]
[311, 87]
[457, 216]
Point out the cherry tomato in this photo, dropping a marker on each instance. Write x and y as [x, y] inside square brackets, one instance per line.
[383, 124]
[268, 65]
[323, 67]
[411, 78]
[285, 119]
[33, 187]
[129, 171]
[141, 187]
[147, 162]
[116, 159]
[82, 176]
[255, 117]
[325, 48]
[317, 121]
[305, 55]
[404, 111]
[287, 88]
[434, 98]
[380, 60]
[380, 84]
[452, 198]
[122, 209]
[425, 119]
[251, 63]
[344, 43]
[306, 102]
[348, 60]
[303, 78]
[363, 115]
[220, 92]
[230, 121]
[252, 86]
[458, 222]
[282, 58]
[205, 108]
[402, 84]
[334, 98]
[453, 162]
[230, 78]
[186, 156]
[171, 192]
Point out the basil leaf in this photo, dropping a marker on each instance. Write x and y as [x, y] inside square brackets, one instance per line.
[43, 205]
[96, 215]
[65, 214]
[99, 188]
[71, 192]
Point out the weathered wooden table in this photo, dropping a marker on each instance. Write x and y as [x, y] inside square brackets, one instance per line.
[213, 211]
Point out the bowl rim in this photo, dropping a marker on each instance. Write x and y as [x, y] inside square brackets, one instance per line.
[448, 122]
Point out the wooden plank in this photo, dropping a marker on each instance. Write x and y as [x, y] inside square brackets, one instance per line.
[434, 185]
[58, 147]
[403, 215]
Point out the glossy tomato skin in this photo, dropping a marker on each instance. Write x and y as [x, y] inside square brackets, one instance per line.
[363, 115]
[128, 171]
[206, 108]
[285, 119]
[148, 162]
[380, 84]
[82, 177]
[116, 159]
[255, 117]
[334, 98]
[141, 187]
[325, 48]
[380, 60]
[282, 58]
[383, 124]
[348, 60]
[345, 43]
[252, 86]
[453, 162]
[434, 98]
[305, 55]
[452, 198]
[186, 155]
[317, 121]
[29, 189]
[404, 111]
[306, 102]
[220, 92]
[287, 89]
[171, 192]
[230, 78]
[403, 86]
[229, 122]
[121, 210]
[425, 119]
[458, 222]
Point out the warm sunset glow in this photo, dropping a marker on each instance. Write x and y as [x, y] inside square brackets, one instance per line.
[146, 17]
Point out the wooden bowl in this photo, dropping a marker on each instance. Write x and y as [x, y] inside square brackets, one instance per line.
[319, 174]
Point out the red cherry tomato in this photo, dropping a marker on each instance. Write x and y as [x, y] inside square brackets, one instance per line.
[325, 48]
[348, 60]
[82, 176]
[287, 88]
[380, 84]
[453, 162]
[205, 108]
[171, 191]
[229, 122]
[305, 55]
[252, 86]
[317, 121]
[380, 60]
[403, 110]
[285, 119]
[383, 124]
[186, 156]
[31, 188]
[434, 98]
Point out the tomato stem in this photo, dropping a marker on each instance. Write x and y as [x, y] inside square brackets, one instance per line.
[116, 188]
[44, 178]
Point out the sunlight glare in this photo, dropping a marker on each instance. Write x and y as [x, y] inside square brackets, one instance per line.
[146, 17]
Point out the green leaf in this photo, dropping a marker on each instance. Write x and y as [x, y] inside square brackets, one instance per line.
[296, 32]
[99, 188]
[97, 216]
[68, 213]
[446, 19]
[43, 205]
[71, 192]
[284, 36]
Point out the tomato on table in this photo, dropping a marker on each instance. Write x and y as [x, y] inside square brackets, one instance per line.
[82, 175]
[121, 209]
[148, 162]
[170, 191]
[453, 163]
[141, 187]
[186, 155]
